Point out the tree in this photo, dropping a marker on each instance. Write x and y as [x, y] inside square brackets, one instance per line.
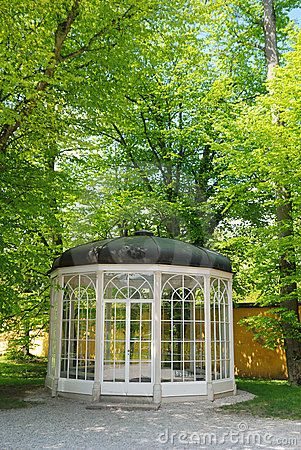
[160, 121]
[268, 195]
[45, 48]
[284, 215]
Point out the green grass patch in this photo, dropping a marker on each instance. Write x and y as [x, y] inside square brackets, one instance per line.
[274, 398]
[16, 377]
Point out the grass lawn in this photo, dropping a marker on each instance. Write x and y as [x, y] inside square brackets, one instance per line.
[275, 398]
[16, 377]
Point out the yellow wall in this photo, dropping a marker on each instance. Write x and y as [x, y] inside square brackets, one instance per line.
[251, 359]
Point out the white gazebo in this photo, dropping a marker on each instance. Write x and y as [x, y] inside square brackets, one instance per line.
[141, 316]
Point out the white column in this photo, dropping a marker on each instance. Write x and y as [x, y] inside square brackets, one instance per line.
[156, 355]
[208, 337]
[48, 381]
[231, 335]
[58, 333]
[98, 338]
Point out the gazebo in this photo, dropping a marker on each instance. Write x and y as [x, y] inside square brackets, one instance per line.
[141, 316]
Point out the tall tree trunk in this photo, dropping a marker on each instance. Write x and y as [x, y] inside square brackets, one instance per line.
[270, 37]
[284, 213]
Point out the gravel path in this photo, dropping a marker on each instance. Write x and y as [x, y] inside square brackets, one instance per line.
[66, 424]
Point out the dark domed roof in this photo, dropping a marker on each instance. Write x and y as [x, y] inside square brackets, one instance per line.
[142, 248]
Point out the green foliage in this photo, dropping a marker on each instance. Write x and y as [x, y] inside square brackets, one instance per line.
[45, 54]
[250, 191]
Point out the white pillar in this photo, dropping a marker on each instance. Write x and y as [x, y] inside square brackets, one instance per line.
[231, 335]
[58, 333]
[48, 381]
[157, 390]
[96, 392]
[208, 343]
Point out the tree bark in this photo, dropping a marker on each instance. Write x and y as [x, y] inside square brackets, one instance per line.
[284, 214]
[270, 36]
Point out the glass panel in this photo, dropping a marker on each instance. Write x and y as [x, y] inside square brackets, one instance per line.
[199, 351]
[145, 350]
[134, 372]
[72, 349]
[218, 370]
[64, 348]
[198, 296]
[226, 313]
[64, 365]
[199, 331]
[81, 370]
[120, 311]
[108, 371]
[227, 354]
[177, 310]
[73, 329]
[109, 350]
[171, 282]
[119, 371]
[166, 351]
[199, 312]
[188, 331]
[135, 351]
[165, 331]
[178, 371]
[135, 330]
[91, 329]
[90, 370]
[188, 311]
[72, 368]
[109, 311]
[82, 329]
[135, 311]
[82, 313]
[146, 311]
[166, 311]
[79, 303]
[227, 368]
[146, 330]
[200, 371]
[177, 351]
[189, 351]
[128, 285]
[120, 329]
[91, 349]
[65, 330]
[109, 329]
[119, 350]
[166, 372]
[92, 308]
[179, 333]
[115, 328]
[81, 351]
[189, 371]
[66, 304]
[146, 372]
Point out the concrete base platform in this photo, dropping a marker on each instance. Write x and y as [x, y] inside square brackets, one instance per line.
[124, 406]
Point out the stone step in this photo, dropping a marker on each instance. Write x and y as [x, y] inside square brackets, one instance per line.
[124, 406]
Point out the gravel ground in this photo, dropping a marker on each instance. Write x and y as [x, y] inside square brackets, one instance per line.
[57, 423]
